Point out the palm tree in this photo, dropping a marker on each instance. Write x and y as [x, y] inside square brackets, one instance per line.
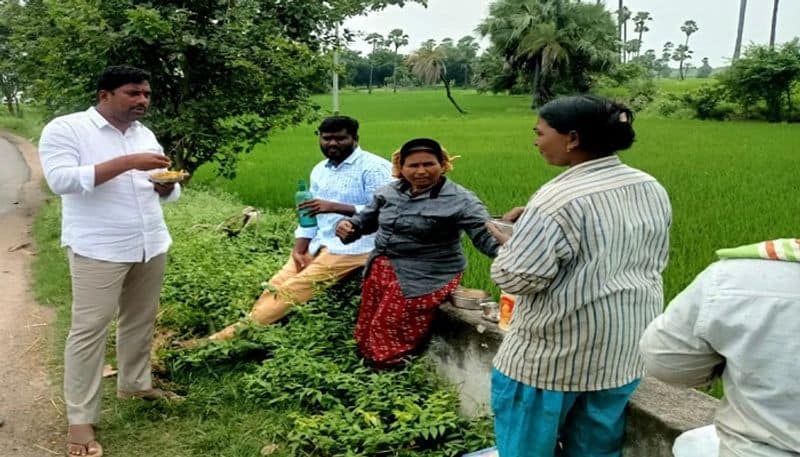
[529, 37]
[626, 16]
[467, 48]
[663, 62]
[774, 24]
[544, 45]
[640, 20]
[427, 63]
[619, 29]
[683, 53]
[738, 47]
[397, 39]
[689, 27]
[376, 40]
[549, 40]
[706, 70]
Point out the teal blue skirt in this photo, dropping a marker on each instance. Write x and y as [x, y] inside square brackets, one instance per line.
[531, 422]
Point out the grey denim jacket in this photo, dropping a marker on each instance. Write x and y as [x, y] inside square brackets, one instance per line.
[421, 235]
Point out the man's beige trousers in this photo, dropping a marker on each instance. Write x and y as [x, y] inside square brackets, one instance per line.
[290, 287]
[298, 287]
[101, 291]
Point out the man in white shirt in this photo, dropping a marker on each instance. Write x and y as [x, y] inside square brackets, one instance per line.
[99, 161]
[342, 185]
[739, 319]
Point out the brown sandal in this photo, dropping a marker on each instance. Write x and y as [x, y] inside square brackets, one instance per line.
[152, 394]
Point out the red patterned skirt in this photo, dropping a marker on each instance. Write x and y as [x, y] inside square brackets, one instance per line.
[389, 325]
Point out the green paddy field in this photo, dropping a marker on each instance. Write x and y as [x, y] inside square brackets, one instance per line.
[730, 182]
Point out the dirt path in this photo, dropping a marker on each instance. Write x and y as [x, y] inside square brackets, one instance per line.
[30, 403]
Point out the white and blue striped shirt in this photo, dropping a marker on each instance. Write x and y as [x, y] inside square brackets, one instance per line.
[353, 182]
[585, 262]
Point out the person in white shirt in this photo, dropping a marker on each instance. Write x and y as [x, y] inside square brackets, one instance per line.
[99, 162]
[739, 320]
[342, 185]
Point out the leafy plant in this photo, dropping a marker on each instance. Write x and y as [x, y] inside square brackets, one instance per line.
[307, 367]
[214, 278]
[225, 75]
[557, 45]
[765, 75]
[710, 102]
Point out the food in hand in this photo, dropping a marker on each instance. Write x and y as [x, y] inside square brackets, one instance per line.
[168, 176]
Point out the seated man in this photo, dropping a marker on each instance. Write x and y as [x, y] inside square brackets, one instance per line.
[341, 185]
[740, 318]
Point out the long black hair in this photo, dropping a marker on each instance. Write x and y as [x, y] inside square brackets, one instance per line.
[603, 126]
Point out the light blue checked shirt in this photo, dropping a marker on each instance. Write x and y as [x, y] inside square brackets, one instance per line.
[353, 182]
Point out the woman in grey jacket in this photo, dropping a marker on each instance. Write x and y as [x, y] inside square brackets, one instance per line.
[418, 260]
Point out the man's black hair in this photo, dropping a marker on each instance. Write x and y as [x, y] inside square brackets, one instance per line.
[119, 75]
[337, 123]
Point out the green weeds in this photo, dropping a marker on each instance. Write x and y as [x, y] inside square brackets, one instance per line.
[730, 182]
[298, 386]
[29, 125]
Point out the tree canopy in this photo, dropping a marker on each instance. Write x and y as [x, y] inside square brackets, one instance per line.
[11, 82]
[224, 73]
[765, 74]
[558, 44]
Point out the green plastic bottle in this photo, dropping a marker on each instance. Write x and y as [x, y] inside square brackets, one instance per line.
[301, 196]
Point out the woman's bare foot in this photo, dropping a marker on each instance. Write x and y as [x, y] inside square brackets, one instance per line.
[81, 441]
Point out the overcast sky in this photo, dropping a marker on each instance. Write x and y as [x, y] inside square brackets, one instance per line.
[717, 20]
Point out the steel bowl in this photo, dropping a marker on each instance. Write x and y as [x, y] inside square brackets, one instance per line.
[465, 298]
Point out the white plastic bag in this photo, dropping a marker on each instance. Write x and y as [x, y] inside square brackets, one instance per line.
[488, 452]
[698, 442]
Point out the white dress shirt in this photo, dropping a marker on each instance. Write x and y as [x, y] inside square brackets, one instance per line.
[119, 220]
[744, 313]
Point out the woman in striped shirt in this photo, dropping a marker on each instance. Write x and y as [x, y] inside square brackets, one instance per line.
[585, 262]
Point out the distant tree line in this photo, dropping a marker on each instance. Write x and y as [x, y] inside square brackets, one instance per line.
[229, 73]
[383, 65]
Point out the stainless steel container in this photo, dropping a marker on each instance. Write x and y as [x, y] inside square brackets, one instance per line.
[468, 298]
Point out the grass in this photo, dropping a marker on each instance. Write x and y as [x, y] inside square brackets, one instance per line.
[29, 125]
[663, 87]
[285, 385]
[730, 182]
[676, 86]
[217, 419]
[207, 423]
